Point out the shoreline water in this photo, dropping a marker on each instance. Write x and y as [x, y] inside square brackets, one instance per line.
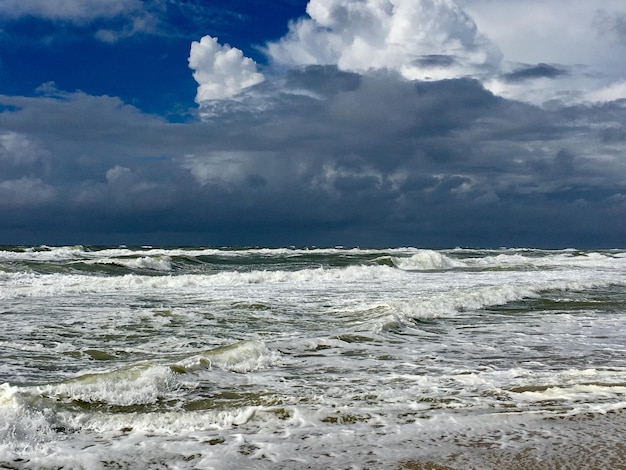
[322, 358]
[589, 441]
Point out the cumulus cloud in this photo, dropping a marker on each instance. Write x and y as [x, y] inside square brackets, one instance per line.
[368, 158]
[18, 150]
[421, 39]
[351, 145]
[25, 191]
[582, 38]
[119, 174]
[552, 52]
[221, 71]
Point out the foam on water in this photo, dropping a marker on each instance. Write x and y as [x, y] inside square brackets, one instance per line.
[26, 423]
[29, 284]
[244, 356]
[37, 419]
[295, 358]
[427, 259]
[148, 382]
[130, 385]
[156, 263]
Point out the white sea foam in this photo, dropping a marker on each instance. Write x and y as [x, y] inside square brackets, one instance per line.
[25, 424]
[129, 385]
[355, 358]
[155, 263]
[427, 259]
[561, 259]
[65, 253]
[244, 356]
[148, 382]
[443, 304]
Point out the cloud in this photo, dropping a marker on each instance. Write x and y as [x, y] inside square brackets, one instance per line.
[615, 91]
[221, 71]
[20, 154]
[583, 38]
[69, 10]
[541, 42]
[24, 192]
[338, 141]
[368, 158]
[611, 23]
[421, 39]
[18, 150]
[531, 72]
[107, 20]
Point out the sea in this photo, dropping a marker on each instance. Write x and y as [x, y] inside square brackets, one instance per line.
[150, 357]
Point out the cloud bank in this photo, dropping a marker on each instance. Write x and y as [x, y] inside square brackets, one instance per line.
[373, 123]
[369, 159]
[548, 59]
[421, 39]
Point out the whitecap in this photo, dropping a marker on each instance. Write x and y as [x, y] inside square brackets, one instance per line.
[427, 260]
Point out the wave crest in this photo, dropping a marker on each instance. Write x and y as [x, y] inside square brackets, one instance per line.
[427, 260]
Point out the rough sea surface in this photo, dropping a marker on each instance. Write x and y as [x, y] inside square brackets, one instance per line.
[181, 358]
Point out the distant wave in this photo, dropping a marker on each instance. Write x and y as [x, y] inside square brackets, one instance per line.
[155, 263]
[426, 259]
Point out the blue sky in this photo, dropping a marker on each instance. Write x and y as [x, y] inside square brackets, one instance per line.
[322, 122]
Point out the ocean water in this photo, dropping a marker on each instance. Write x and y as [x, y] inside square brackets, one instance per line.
[181, 358]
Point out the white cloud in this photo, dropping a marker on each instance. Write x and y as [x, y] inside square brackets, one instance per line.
[18, 150]
[119, 174]
[483, 39]
[421, 39]
[142, 22]
[71, 10]
[218, 167]
[615, 91]
[124, 18]
[25, 191]
[559, 31]
[582, 35]
[220, 70]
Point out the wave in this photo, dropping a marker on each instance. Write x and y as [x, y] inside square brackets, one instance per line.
[148, 382]
[26, 422]
[242, 357]
[426, 260]
[24, 285]
[462, 300]
[80, 252]
[30, 417]
[232, 261]
[565, 259]
[17, 285]
[152, 263]
[457, 301]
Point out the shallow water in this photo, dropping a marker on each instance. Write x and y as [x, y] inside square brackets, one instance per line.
[311, 358]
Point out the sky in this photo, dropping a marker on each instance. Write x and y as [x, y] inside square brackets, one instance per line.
[378, 123]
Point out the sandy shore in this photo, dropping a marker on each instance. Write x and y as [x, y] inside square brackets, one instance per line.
[589, 441]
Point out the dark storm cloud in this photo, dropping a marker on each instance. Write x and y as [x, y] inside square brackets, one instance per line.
[322, 79]
[436, 60]
[335, 157]
[531, 72]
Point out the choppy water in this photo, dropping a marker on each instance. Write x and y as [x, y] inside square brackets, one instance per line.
[311, 358]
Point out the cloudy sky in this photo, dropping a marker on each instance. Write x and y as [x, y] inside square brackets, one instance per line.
[429, 123]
